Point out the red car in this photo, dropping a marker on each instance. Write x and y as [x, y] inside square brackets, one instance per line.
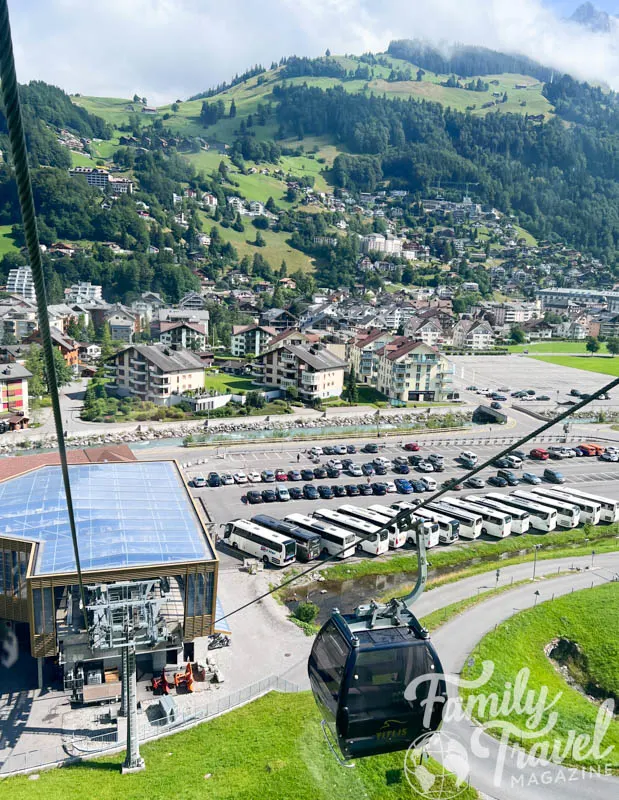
[411, 447]
[539, 453]
[280, 475]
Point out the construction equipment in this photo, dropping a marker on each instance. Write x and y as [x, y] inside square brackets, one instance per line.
[184, 680]
[160, 685]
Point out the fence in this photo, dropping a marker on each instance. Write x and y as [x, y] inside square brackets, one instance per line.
[76, 748]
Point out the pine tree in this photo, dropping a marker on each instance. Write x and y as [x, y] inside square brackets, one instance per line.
[232, 109]
[106, 341]
[90, 331]
[283, 270]
[351, 393]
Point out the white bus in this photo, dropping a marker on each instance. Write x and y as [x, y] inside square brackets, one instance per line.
[541, 517]
[333, 541]
[377, 516]
[589, 509]
[568, 515]
[520, 519]
[609, 509]
[369, 538]
[494, 522]
[470, 523]
[431, 528]
[271, 547]
[448, 528]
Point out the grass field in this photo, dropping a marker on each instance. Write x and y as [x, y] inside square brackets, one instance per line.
[220, 382]
[112, 109]
[81, 160]
[607, 366]
[272, 749]
[587, 618]
[275, 251]
[7, 244]
[554, 347]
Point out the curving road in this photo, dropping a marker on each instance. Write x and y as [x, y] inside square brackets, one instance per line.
[456, 640]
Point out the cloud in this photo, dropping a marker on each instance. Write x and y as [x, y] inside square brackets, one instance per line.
[165, 49]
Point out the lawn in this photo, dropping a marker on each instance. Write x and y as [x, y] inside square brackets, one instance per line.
[554, 347]
[220, 382]
[81, 160]
[272, 749]
[586, 618]
[7, 243]
[112, 109]
[275, 250]
[607, 366]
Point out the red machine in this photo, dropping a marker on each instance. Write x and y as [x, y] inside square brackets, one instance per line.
[161, 685]
[184, 680]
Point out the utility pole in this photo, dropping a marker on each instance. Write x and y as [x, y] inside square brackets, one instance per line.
[536, 547]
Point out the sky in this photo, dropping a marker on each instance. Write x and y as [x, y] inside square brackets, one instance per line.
[169, 49]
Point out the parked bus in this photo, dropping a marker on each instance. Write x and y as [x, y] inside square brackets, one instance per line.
[308, 544]
[520, 519]
[589, 509]
[333, 541]
[369, 538]
[609, 509]
[448, 528]
[568, 515]
[470, 524]
[590, 449]
[377, 516]
[494, 522]
[541, 517]
[431, 527]
[271, 547]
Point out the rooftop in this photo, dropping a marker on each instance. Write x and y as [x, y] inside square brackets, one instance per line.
[127, 514]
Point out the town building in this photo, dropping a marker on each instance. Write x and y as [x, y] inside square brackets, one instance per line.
[83, 292]
[363, 354]
[473, 334]
[250, 340]
[184, 335]
[20, 282]
[122, 328]
[278, 318]
[377, 243]
[410, 370]
[94, 176]
[14, 389]
[312, 370]
[154, 373]
[192, 301]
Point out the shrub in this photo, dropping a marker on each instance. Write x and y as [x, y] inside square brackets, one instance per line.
[306, 612]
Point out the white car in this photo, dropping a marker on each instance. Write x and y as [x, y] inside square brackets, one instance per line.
[254, 477]
[355, 471]
[613, 450]
[430, 483]
[340, 449]
[240, 477]
[199, 481]
[335, 463]
[282, 494]
[513, 461]
[316, 451]
[390, 486]
[425, 466]
[227, 479]
[380, 461]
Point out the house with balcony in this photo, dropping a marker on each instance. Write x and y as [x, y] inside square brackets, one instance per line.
[363, 354]
[154, 373]
[278, 318]
[410, 370]
[14, 389]
[473, 334]
[314, 371]
[250, 340]
[183, 335]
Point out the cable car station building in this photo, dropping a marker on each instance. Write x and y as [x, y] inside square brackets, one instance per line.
[136, 522]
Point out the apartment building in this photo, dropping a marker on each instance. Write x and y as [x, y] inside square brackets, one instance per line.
[154, 373]
[377, 243]
[122, 328]
[14, 388]
[473, 334]
[312, 369]
[94, 176]
[185, 335]
[20, 282]
[363, 354]
[410, 370]
[83, 292]
[17, 323]
[250, 340]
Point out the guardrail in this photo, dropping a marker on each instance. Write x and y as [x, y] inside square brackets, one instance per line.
[77, 748]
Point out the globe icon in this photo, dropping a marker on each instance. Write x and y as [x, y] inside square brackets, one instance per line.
[444, 779]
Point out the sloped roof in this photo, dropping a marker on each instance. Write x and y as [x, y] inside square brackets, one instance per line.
[317, 359]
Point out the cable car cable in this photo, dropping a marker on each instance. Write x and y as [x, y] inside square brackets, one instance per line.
[404, 515]
[12, 112]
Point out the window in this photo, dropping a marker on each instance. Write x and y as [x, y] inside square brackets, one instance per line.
[330, 652]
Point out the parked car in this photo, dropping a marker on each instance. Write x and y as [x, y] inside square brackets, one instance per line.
[607, 456]
[370, 447]
[553, 476]
[429, 483]
[307, 474]
[391, 488]
[240, 477]
[530, 392]
[436, 458]
[335, 463]
[425, 466]
[281, 475]
[380, 469]
[494, 480]
[543, 397]
[294, 475]
[320, 472]
[227, 479]
[539, 454]
[418, 485]
[412, 447]
[310, 492]
[453, 484]
[379, 461]
[326, 492]
[401, 469]
[575, 392]
[508, 476]
[339, 490]
[214, 479]
[315, 451]
[254, 497]
[403, 486]
[475, 482]
[283, 495]
[471, 388]
[340, 449]
[513, 461]
[295, 492]
[501, 463]
[332, 472]
[199, 481]
[269, 495]
[400, 460]
[268, 476]
[379, 489]
[351, 449]
[519, 454]
[253, 476]
[414, 461]
[352, 490]
[368, 469]
[355, 471]
[495, 405]
[530, 477]
[328, 450]
[364, 489]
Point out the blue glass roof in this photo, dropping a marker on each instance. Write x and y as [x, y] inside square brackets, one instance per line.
[127, 515]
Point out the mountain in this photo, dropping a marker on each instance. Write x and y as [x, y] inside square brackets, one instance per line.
[593, 18]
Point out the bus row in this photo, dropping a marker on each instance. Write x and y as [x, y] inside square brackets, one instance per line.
[376, 529]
